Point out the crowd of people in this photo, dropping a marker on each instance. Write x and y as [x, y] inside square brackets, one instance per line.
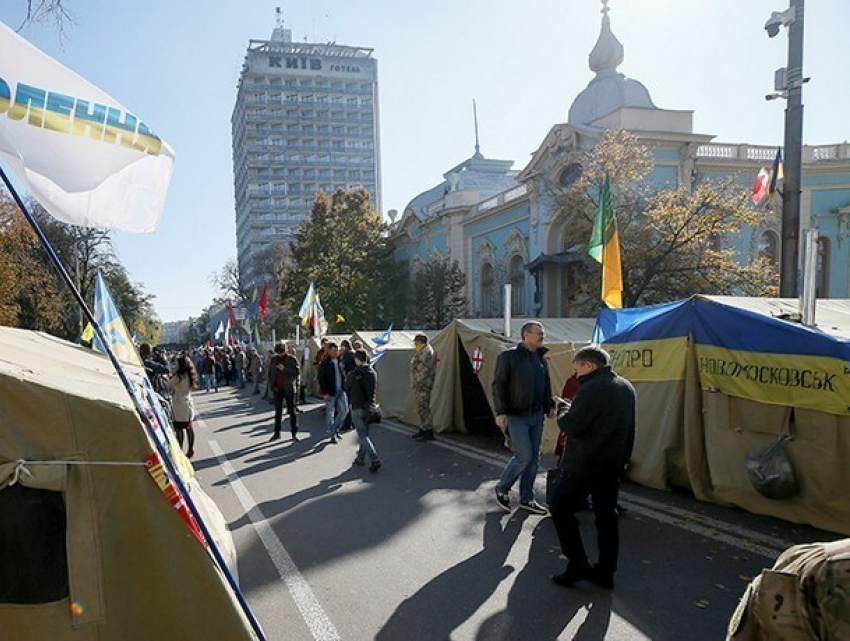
[595, 415]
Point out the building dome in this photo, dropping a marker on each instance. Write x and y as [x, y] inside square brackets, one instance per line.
[609, 90]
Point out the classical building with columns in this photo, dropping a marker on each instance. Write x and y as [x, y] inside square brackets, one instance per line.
[505, 226]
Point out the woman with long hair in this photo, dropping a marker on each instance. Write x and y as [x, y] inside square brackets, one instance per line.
[181, 384]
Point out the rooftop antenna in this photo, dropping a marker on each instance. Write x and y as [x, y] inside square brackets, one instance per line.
[475, 119]
[278, 17]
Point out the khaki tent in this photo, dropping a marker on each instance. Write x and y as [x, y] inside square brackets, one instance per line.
[90, 546]
[718, 377]
[393, 367]
[462, 399]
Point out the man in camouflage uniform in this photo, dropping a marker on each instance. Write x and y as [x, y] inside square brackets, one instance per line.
[806, 595]
[422, 372]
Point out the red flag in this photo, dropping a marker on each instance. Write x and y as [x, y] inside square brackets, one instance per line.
[760, 188]
[263, 304]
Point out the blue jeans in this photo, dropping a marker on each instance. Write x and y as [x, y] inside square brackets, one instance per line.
[335, 411]
[358, 417]
[209, 381]
[526, 433]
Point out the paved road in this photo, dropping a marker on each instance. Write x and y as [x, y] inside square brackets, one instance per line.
[420, 550]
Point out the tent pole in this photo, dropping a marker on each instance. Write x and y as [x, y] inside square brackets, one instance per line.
[128, 386]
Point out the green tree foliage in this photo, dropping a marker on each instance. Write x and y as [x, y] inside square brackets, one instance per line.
[342, 247]
[438, 296]
[674, 242]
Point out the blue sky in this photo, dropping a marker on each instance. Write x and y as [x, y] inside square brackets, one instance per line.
[176, 67]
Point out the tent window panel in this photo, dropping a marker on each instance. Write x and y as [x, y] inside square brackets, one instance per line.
[33, 557]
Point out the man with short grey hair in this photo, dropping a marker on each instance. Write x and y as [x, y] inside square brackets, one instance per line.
[522, 395]
[600, 430]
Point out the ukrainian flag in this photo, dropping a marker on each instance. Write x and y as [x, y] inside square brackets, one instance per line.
[110, 321]
[604, 248]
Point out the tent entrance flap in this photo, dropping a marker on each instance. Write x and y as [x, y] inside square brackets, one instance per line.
[477, 415]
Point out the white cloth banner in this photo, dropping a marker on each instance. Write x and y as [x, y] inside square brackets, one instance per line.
[79, 152]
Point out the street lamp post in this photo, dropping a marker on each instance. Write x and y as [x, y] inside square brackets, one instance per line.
[792, 18]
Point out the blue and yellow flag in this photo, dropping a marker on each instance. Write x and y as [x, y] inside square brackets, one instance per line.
[604, 248]
[110, 321]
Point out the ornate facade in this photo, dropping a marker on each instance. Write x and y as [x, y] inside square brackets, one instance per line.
[505, 226]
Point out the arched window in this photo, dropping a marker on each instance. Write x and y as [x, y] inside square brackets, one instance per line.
[822, 279]
[769, 246]
[488, 291]
[516, 272]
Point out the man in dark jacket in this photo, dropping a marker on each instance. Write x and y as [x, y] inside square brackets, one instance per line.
[522, 395]
[331, 378]
[360, 385]
[283, 373]
[600, 433]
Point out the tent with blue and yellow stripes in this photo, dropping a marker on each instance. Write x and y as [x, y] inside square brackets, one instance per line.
[718, 377]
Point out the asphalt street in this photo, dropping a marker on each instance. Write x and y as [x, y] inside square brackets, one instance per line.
[419, 549]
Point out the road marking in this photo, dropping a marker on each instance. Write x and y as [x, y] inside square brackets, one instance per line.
[317, 620]
[732, 535]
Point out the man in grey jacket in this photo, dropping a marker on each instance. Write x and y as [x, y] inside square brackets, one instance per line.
[600, 434]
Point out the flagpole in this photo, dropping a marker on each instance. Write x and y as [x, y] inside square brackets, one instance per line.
[128, 386]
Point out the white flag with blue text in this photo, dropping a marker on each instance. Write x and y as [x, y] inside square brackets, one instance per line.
[78, 151]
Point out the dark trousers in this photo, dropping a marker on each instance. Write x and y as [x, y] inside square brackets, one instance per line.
[279, 397]
[570, 495]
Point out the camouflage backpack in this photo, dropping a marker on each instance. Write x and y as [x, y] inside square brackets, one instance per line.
[806, 595]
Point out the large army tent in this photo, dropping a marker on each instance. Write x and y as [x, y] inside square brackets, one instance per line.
[90, 546]
[462, 398]
[718, 377]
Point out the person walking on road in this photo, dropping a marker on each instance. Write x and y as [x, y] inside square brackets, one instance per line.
[255, 367]
[522, 395]
[240, 364]
[360, 385]
[209, 368]
[600, 428]
[284, 371]
[330, 379]
[181, 384]
[422, 372]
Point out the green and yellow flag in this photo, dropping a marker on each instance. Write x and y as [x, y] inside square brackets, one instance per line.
[604, 247]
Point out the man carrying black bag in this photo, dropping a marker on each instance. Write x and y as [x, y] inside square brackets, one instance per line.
[600, 431]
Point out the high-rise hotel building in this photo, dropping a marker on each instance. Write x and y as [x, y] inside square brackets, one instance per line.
[306, 119]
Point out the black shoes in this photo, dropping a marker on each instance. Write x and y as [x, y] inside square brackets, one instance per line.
[424, 435]
[376, 465]
[576, 573]
[275, 437]
[503, 501]
[602, 578]
[573, 575]
[534, 507]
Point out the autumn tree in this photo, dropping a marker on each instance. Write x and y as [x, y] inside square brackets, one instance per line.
[438, 296]
[29, 296]
[343, 248]
[675, 242]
